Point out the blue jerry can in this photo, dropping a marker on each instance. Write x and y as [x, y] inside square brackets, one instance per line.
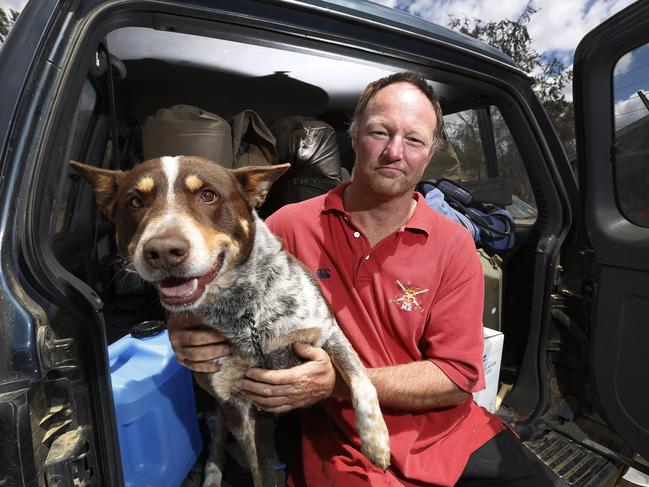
[155, 409]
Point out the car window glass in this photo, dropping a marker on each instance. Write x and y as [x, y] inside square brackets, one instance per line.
[510, 164]
[631, 115]
[463, 158]
[85, 110]
[464, 146]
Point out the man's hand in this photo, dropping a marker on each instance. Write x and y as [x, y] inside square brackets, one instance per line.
[279, 391]
[196, 346]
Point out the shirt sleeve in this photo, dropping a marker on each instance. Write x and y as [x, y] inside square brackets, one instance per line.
[453, 337]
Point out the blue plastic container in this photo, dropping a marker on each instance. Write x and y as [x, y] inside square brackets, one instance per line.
[156, 412]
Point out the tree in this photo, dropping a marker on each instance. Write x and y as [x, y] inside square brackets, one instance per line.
[7, 20]
[549, 74]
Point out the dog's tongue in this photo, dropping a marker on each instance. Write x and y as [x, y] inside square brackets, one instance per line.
[172, 288]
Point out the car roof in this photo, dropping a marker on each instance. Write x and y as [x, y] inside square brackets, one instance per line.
[397, 20]
[309, 67]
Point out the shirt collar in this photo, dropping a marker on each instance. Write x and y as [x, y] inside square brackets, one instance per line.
[421, 219]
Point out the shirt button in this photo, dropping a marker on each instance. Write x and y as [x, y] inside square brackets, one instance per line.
[367, 257]
[357, 234]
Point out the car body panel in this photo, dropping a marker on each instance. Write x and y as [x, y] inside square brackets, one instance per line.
[620, 331]
[62, 36]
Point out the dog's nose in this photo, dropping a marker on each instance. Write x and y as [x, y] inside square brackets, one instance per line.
[166, 251]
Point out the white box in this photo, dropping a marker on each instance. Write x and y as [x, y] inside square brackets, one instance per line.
[491, 357]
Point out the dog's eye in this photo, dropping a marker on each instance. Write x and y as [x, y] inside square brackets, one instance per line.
[208, 196]
[135, 202]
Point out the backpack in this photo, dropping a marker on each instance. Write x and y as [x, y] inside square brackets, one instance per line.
[491, 226]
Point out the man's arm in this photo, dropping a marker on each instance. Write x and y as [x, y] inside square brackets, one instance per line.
[414, 386]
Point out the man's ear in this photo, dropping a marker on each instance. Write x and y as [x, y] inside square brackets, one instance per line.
[105, 183]
[257, 180]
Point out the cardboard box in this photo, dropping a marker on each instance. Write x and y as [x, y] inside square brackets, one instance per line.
[491, 358]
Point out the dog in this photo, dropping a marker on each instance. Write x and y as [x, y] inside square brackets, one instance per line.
[189, 227]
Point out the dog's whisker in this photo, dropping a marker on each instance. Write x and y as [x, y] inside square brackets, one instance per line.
[125, 269]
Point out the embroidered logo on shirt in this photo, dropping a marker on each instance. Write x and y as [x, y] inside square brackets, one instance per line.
[408, 301]
[323, 273]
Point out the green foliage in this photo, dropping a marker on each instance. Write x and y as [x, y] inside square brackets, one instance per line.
[7, 20]
[512, 37]
[549, 75]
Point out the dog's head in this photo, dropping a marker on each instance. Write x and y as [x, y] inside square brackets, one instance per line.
[185, 222]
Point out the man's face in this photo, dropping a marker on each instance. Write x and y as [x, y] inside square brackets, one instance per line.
[394, 141]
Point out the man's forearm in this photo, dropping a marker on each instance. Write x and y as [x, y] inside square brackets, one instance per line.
[414, 386]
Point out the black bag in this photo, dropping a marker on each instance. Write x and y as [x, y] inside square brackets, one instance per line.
[310, 147]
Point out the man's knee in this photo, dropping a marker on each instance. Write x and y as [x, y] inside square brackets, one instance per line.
[504, 461]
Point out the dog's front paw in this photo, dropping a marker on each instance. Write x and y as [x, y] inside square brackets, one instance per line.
[375, 438]
[212, 478]
[376, 442]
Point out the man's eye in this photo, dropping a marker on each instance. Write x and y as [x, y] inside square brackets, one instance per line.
[135, 202]
[415, 142]
[208, 196]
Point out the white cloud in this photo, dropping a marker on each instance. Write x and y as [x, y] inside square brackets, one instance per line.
[14, 4]
[440, 11]
[557, 27]
[629, 110]
[387, 3]
[623, 64]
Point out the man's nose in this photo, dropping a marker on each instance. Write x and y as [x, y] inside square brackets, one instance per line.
[394, 149]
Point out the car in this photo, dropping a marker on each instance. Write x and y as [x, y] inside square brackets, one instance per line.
[82, 79]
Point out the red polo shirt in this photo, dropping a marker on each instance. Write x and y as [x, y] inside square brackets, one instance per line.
[417, 295]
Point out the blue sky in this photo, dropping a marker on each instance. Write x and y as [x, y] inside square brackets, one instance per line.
[555, 29]
[631, 75]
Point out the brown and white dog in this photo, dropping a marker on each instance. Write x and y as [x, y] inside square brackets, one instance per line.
[189, 227]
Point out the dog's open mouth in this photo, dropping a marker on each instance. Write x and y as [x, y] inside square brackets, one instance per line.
[178, 290]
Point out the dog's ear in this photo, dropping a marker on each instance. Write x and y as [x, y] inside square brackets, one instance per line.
[257, 180]
[105, 183]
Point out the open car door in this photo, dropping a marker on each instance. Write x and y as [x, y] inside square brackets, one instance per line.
[611, 87]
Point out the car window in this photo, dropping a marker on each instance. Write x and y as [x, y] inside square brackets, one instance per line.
[510, 164]
[465, 144]
[80, 134]
[479, 147]
[631, 155]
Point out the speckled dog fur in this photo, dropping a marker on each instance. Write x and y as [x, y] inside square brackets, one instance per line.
[212, 256]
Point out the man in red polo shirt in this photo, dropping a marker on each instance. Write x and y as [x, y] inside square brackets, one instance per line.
[406, 286]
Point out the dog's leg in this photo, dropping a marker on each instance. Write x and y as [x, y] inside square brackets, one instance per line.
[234, 415]
[221, 384]
[240, 418]
[216, 451]
[375, 439]
[265, 441]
